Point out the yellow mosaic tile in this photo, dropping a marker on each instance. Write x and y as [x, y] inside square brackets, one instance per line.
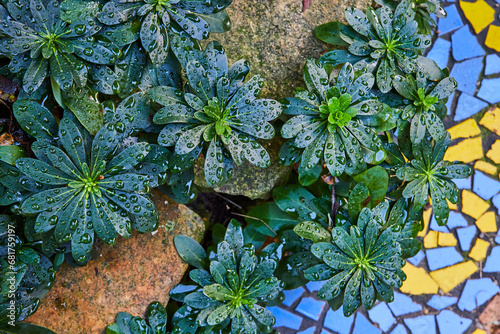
[480, 249]
[494, 152]
[479, 331]
[493, 38]
[446, 239]
[427, 218]
[479, 14]
[418, 281]
[486, 167]
[491, 120]
[473, 205]
[465, 129]
[431, 240]
[487, 222]
[449, 277]
[452, 206]
[467, 150]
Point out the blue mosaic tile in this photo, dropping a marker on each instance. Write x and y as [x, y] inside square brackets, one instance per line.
[449, 322]
[476, 292]
[325, 332]
[314, 286]
[336, 321]
[292, 295]
[456, 219]
[442, 257]
[362, 325]
[449, 102]
[465, 236]
[417, 258]
[440, 52]
[452, 21]
[492, 64]
[403, 305]
[381, 314]
[485, 186]
[463, 183]
[422, 324]
[493, 261]
[311, 308]
[441, 302]
[497, 239]
[468, 105]
[310, 330]
[435, 227]
[285, 318]
[465, 45]
[489, 90]
[399, 329]
[496, 202]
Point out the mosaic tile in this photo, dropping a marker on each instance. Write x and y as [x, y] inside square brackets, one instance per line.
[456, 219]
[448, 278]
[292, 295]
[431, 240]
[311, 307]
[441, 302]
[479, 331]
[451, 205]
[438, 258]
[467, 150]
[494, 152]
[463, 183]
[492, 64]
[426, 217]
[310, 330]
[465, 236]
[435, 227]
[479, 250]
[362, 325]
[468, 105]
[497, 239]
[323, 331]
[473, 205]
[314, 286]
[381, 315]
[465, 45]
[422, 324]
[485, 167]
[479, 14]
[449, 103]
[466, 129]
[285, 318]
[446, 239]
[399, 329]
[417, 258]
[496, 202]
[493, 261]
[485, 186]
[403, 305]
[493, 38]
[489, 90]
[418, 281]
[487, 223]
[491, 120]
[476, 292]
[466, 73]
[440, 52]
[452, 22]
[336, 321]
[449, 322]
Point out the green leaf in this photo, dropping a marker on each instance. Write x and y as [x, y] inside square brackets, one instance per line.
[218, 22]
[191, 251]
[234, 236]
[269, 219]
[35, 74]
[85, 107]
[330, 33]
[128, 158]
[42, 172]
[296, 202]
[312, 231]
[358, 199]
[11, 153]
[376, 180]
[25, 328]
[157, 317]
[35, 119]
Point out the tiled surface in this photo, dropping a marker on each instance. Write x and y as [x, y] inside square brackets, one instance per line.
[454, 278]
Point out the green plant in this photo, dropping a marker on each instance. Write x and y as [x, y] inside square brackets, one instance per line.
[128, 324]
[232, 288]
[219, 115]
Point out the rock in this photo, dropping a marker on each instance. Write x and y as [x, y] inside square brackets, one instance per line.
[276, 38]
[125, 277]
[249, 180]
[490, 317]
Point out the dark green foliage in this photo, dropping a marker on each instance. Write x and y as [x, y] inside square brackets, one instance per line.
[128, 324]
[25, 328]
[218, 115]
[233, 286]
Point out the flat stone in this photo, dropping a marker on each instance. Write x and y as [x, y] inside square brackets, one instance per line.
[487, 223]
[480, 249]
[477, 292]
[493, 261]
[479, 14]
[311, 307]
[473, 205]
[440, 52]
[285, 318]
[431, 240]
[435, 227]
[310, 330]
[489, 90]
[381, 315]
[465, 45]
[468, 150]
[493, 38]
[466, 129]
[399, 329]
[362, 325]
[441, 302]
[492, 64]
[291, 296]
[456, 219]
[491, 315]
[465, 236]
[422, 324]
[442, 257]
[337, 322]
[485, 186]
[485, 167]
[403, 305]
[446, 239]
[125, 277]
[418, 281]
[491, 120]
[448, 278]
[494, 152]
[467, 104]
[463, 183]
[449, 322]
[415, 260]
[452, 22]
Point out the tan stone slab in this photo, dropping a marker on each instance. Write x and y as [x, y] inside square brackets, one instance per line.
[490, 318]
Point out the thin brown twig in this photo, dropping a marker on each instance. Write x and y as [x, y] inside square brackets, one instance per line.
[262, 221]
[228, 200]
